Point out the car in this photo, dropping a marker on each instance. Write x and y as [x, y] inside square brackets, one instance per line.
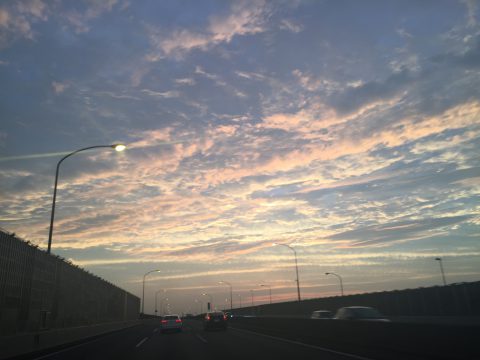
[362, 313]
[215, 320]
[321, 314]
[171, 323]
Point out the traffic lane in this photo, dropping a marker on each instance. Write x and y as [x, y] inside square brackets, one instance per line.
[116, 345]
[240, 344]
[146, 342]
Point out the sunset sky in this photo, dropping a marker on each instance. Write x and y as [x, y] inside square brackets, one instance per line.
[348, 129]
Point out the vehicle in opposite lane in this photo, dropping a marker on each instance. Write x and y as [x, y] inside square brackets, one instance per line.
[362, 313]
[321, 314]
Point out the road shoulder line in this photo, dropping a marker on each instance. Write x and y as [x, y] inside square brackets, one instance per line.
[303, 344]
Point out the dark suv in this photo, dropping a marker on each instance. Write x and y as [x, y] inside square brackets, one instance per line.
[215, 320]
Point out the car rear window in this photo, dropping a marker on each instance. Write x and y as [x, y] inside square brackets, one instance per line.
[171, 317]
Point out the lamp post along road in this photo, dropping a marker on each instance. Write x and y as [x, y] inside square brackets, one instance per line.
[117, 147]
[143, 291]
[209, 308]
[269, 290]
[231, 293]
[441, 270]
[296, 267]
[339, 278]
[156, 301]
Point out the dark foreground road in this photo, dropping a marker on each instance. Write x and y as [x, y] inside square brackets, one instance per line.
[146, 342]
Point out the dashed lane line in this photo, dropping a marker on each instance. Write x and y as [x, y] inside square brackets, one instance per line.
[141, 342]
[201, 338]
[303, 344]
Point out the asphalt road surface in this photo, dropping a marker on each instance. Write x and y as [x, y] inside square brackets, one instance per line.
[147, 342]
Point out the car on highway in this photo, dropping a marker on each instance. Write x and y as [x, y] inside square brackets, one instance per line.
[215, 320]
[362, 313]
[321, 314]
[171, 323]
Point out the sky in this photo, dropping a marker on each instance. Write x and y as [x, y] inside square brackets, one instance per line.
[349, 130]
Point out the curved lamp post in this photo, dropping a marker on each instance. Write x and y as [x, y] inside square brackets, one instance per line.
[441, 269]
[231, 292]
[339, 278]
[143, 291]
[269, 289]
[117, 147]
[296, 267]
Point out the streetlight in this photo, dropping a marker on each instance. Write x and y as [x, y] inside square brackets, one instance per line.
[231, 292]
[211, 301]
[339, 277]
[251, 293]
[201, 305]
[117, 147]
[161, 305]
[296, 266]
[143, 292]
[441, 269]
[156, 300]
[269, 289]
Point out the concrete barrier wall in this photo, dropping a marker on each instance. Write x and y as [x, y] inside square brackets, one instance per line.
[379, 340]
[452, 300]
[25, 343]
[40, 291]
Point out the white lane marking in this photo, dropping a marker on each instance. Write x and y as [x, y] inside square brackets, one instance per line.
[303, 344]
[201, 338]
[155, 330]
[141, 342]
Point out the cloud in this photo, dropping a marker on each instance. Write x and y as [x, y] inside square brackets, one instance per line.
[290, 25]
[185, 81]
[245, 18]
[164, 94]
[17, 18]
[58, 87]
[94, 8]
[400, 231]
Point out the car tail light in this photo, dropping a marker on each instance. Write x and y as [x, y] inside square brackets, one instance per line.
[224, 317]
[178, 321]
[164, 321]
[207, 317]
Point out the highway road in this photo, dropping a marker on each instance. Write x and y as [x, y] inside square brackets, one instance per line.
[146, 342]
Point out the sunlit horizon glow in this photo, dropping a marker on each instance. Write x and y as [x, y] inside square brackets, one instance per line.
[248, 123]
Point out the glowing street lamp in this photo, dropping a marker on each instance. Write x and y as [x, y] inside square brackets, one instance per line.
[117, 147]
[296, 266]
[339, 278]
[143, 292]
